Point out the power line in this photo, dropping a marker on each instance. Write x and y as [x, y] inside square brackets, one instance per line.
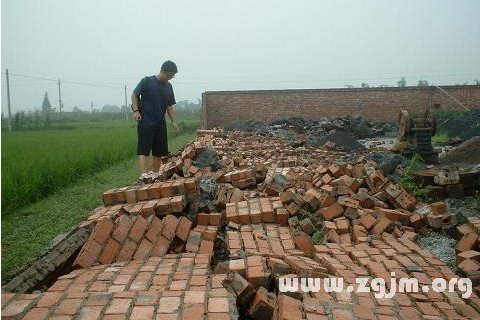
[245, 82]
[66, 81]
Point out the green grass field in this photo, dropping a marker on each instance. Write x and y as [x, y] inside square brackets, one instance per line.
[37, 163]
[72, 168]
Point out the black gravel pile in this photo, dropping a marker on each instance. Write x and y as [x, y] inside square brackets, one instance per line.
[464, 125]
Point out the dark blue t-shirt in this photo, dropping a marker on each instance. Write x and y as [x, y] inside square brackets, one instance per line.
[155, 97]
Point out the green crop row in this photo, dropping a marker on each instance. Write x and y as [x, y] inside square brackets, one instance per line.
[37, 163]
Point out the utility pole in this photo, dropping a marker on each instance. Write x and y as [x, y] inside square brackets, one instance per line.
[8, 103]
[60, 99]
[91, 107]
[126, 105]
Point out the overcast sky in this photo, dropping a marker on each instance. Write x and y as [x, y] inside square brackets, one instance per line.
[231, 45]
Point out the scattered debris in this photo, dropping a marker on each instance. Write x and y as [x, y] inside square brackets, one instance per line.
[236, 213]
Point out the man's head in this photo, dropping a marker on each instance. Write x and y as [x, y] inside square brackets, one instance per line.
[168, 70]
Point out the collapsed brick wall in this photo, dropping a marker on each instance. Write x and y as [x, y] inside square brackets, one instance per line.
[142, 261]
[220, 108]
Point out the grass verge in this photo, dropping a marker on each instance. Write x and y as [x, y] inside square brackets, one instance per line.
[29, 230]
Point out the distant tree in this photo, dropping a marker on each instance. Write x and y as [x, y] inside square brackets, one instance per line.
[19, 121]
[402, 82]
[477, 82]
[365, 85]
[422, 83]
[77, 109]
[111, 108]
[46, 106]
[37, 121]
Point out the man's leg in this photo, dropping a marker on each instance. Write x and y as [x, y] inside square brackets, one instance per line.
[145, 141]
[159, 147]
[156, 163]
[142, 161]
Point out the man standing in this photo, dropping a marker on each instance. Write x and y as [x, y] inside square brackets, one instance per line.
[151, 99]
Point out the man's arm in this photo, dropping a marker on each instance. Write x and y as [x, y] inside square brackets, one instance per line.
[135, 107]
[171, 115]
[135, 101]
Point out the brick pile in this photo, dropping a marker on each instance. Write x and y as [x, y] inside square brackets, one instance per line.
[280, 211]
[177, 286]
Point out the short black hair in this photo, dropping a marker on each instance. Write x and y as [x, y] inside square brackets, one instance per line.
[169, 66]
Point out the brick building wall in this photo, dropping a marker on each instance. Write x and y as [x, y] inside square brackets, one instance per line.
[223, 107]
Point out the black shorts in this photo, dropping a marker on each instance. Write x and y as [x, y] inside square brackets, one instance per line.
[152, 139]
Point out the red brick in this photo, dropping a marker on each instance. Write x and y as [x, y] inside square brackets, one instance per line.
[287, 308]
[367, 220]
[470, 254]
[166, 190]
[342, 226]
[142, 193]
[332, 212]
[244, 216]
[68, 306]
[281, 216]
[161, 247]
[303, 242]
[162, 207]
[138, 229]
[143, 250]
[142, 313]
[109, 252]
[293, 209]
[190, 185]
[206, 247]
[183, 229]
[122, 227]
[194, 297]
[131, 195]
[341, 314]
[335, 170]
[215, 219]
[426, 308]
[381, 226]
[102, 230]
[237, 195]
[262, 306]
[216, 305]
[267, 214]
[127, 251]
[170, 223]
[109, 197]
[469, 265]
[416, 221]
[154, 230]
[15, 307]
[203, 219]
[49, 299]
[118, 306]
[88, 254]
[438, 207]
[37, 314]
[177, 204]
[256, 276]
[193, 241]
[467, 242]
[286, 197]
[168, 305]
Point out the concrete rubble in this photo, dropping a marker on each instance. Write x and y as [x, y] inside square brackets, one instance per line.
[235, 211]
